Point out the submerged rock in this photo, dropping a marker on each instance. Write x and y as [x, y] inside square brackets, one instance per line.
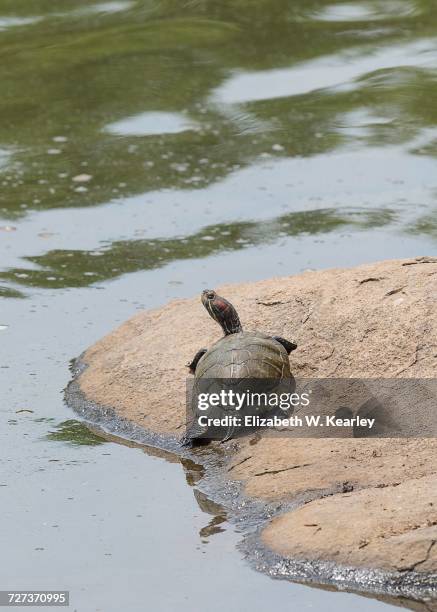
[358, 503]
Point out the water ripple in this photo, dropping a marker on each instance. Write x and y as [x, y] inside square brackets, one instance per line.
[335, 71]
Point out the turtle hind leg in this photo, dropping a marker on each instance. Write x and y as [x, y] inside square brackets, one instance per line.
[194, 435]
[187, 441]
[289, 346]
[197, 357]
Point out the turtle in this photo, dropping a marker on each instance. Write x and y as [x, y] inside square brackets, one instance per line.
[239, 354]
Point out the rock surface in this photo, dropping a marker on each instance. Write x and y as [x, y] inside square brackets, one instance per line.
[357, 502]
[389, 528]
[375, 320]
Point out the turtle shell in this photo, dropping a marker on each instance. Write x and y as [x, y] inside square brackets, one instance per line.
[245, 355]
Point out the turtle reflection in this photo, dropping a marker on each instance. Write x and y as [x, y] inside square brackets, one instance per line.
[218, 513]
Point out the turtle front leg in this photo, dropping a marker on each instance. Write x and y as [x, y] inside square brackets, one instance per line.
[197, 357]
[289, 346]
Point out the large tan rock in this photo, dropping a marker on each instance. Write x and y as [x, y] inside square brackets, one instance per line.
[360, 502]
[388, 528]
[375, 320]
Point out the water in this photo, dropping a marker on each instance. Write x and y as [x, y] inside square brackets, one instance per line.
[151, 149]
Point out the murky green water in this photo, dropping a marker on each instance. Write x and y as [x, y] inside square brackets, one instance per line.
[149, 149]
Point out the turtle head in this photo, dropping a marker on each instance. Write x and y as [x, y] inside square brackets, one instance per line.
[221, 311]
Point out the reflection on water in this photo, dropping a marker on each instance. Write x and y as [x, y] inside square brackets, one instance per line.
[204, 141]
[8, 292]
[4, 158]
[78, 434]
[197, 61]
[218, 513]
[11, 22]
[193, 471]
[106, 7]
[333, 73]
[367, 11]
[147, 124]
[75, 432]
[65, 268]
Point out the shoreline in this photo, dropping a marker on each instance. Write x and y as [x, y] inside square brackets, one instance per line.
[348, 511]
[252, 515]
